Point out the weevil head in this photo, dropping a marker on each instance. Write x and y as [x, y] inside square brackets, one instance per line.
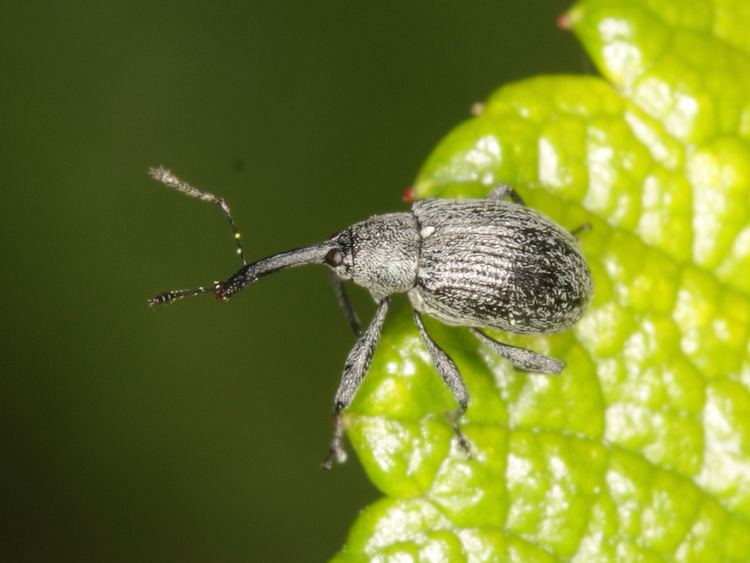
[380, 254]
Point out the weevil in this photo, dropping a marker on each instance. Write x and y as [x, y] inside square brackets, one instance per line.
[477, 263]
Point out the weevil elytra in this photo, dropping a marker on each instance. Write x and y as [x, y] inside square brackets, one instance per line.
[478, 263]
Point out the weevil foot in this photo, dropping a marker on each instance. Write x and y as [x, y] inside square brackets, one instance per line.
[463, 443]
[336, 451]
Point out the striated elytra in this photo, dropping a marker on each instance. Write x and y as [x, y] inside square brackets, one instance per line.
[479, 263]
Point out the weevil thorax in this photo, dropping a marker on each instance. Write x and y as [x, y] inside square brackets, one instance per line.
[380, 254]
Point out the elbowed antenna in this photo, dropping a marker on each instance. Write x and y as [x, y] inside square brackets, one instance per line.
[251, 273]
[161, 174]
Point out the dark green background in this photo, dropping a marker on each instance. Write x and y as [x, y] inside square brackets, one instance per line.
[194, 432]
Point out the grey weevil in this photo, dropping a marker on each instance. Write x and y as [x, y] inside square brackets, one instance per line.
[478, 263]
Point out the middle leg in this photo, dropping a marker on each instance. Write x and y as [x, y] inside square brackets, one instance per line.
[447, 369]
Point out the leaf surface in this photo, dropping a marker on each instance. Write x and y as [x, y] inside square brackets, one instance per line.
[640, 449]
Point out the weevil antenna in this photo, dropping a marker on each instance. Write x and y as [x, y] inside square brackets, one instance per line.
[250, 273]
[161, 174]
[176, 294]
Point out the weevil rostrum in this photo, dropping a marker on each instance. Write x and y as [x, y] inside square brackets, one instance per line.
[478, 263]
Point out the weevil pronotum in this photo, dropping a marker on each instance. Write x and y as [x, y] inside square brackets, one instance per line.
[479, 263]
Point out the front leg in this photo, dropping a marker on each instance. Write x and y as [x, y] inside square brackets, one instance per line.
[452, 377]
[355, 368]
[345, 303]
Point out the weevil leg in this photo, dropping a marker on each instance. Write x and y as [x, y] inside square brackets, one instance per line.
[521, 358]
[501, 191]
[447, 369]
[346, 304]
[355, 368]
[581, 229]
[161, 174]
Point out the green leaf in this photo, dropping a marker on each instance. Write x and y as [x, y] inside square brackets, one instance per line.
[640, 450]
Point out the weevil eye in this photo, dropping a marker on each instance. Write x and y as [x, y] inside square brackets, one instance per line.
[334, 258]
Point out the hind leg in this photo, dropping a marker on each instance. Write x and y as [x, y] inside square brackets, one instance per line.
[521, 358]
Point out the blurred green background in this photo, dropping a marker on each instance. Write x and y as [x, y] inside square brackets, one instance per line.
[195, 432]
